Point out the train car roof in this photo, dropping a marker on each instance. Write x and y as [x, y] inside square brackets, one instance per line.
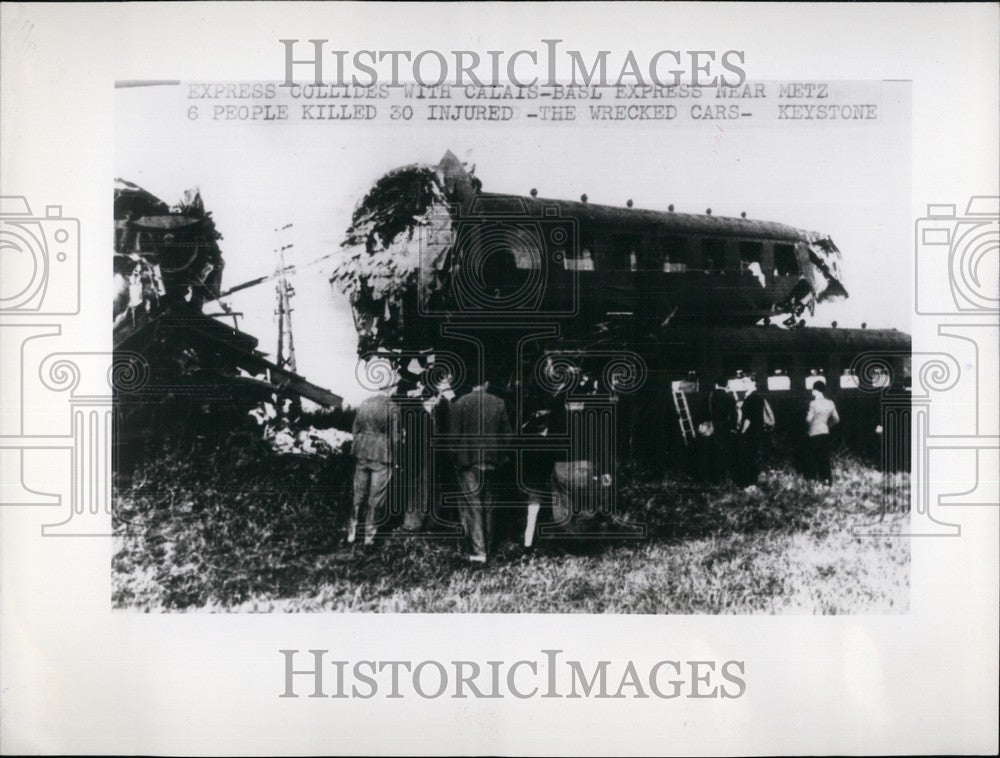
[773, 339]
[669, 221]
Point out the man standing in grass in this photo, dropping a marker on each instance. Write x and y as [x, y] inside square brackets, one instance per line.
[821, 417]
[751, 435]
[720, 410]
[481, 418]
[376, 433]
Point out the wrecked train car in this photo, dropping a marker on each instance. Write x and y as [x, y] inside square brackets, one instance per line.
[432, 234]
[189, 373]
[435, 263]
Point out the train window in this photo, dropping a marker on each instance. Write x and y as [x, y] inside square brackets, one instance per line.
[750, 252]
[815, 375]
[778, 378]
[740, 384]
[785, 263]
[581, 258]
[675, 254]
[751, 260]
[648, 257]
[646, 260]
[688, 386]
[499, 271]
[527, 257]
[713, 254]
[779, 381]
[849, 380]
[625, 253]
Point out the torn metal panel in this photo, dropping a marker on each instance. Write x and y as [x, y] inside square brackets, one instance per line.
[167, 264]
[180, 241]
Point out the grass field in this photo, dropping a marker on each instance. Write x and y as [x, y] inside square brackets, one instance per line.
[248, 532]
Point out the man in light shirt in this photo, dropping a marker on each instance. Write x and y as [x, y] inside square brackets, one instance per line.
[821, 416]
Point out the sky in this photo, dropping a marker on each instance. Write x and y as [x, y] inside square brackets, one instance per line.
[850, 180]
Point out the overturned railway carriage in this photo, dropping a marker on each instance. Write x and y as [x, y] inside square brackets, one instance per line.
[551, 293]
[179, 370]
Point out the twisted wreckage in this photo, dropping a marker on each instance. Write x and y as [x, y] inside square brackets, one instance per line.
[167, 267]
[575, 297]
[548, 296]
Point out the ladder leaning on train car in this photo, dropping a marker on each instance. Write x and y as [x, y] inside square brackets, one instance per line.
[684, 415]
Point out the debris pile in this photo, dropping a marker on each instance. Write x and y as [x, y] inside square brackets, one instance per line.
[315, 442]
[280, 432]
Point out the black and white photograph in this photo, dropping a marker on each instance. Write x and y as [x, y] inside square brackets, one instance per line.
[499, 378]
[431, 350]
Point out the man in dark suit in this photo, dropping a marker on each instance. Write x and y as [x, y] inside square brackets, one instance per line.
[481, 418]
[721, 411]
[420, 489]
[751, 435]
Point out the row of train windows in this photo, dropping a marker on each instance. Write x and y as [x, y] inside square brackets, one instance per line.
[848, 380]
[674, 254]
[780, 381]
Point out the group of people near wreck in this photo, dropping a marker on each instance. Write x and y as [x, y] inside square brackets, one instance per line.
[731, 439]
[480, 422]
[729, 444]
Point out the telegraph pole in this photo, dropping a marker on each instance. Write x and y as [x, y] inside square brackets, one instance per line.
[285, 292]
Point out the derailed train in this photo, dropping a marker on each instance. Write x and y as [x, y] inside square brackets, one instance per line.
[645, 308]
